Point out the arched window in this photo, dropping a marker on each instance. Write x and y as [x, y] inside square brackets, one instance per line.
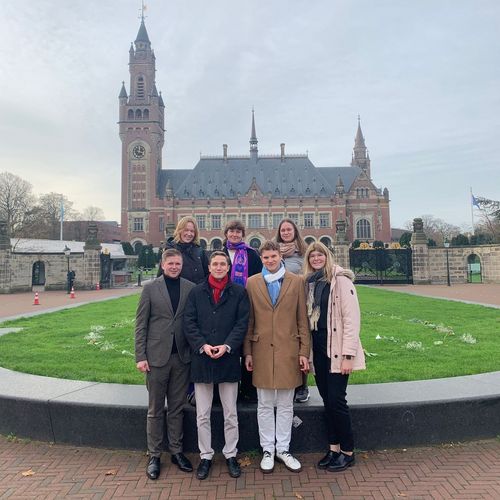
[145, 114]
[363, 229]
[140, 87]
[326, 241]
[216, 244]
[130, 115]
[309, 240]
[137, 247]
[38, 273]
[138, 114]
[203, 243]
[474, 269]
[255, 243]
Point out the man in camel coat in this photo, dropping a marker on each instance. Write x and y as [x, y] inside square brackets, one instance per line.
[276, 351]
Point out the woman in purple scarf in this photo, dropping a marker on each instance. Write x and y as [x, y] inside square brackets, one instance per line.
[245, 262]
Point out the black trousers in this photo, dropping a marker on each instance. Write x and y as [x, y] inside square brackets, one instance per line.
[332, 388]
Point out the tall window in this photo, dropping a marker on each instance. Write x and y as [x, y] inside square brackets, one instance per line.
[161, 224]
[201, 221]
[363, 229]
[231, 217]
[138, 224]
[308, 220]
[277, 218]
[324, 220]
[254, 221]
[216, 221]
[140, 87]
[294, 217]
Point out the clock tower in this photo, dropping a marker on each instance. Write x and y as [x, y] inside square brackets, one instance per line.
[142, 134]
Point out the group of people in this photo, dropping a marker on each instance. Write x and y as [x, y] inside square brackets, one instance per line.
[242, 319]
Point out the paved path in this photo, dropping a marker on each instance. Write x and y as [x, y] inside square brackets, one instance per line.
[31, 470]
[21, 304]
[474, 293]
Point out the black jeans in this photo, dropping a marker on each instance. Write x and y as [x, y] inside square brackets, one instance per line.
[332, 388]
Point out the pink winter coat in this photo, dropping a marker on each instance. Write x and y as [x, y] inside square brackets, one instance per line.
[344, 321]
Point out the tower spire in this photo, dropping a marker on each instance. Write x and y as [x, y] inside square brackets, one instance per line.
[254, 151]
[360, 156]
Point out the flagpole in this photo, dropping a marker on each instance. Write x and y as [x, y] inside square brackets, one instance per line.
[62, 219]
[472, 211]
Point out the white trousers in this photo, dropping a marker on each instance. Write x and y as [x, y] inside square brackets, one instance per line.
[228, 393]
[275, 434]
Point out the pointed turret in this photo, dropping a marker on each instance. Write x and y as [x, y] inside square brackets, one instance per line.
[123, 92]
[360, 157]
[142, 34]
[339, 188]
[160, 101]
[254, 151]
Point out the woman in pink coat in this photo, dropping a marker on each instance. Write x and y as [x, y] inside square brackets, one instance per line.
[334, 319]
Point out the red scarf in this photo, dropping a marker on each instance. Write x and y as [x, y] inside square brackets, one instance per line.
[217, 286]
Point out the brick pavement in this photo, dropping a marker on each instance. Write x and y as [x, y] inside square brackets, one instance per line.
[461, 471]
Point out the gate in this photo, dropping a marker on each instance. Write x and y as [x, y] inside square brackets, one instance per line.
[382, 265]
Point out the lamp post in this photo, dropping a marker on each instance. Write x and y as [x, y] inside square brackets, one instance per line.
[447, 245]
[67, 252]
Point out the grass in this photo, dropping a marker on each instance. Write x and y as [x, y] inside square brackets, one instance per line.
[405, 337]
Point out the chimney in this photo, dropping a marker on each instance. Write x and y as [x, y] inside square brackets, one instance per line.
[224, 152]
[282, 146]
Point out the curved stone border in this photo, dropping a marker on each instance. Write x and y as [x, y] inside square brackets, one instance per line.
[384, 415]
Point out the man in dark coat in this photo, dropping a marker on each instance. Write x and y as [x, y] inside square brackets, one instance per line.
[163, 354]
[215, 324]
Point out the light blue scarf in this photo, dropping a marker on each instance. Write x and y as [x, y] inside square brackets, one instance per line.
[273, 282]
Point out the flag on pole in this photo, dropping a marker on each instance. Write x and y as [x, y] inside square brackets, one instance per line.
[474, 201]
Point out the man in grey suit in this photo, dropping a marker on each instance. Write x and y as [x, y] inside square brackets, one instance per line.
[163, 354]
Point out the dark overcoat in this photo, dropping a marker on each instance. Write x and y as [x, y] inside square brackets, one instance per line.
[194, 261]
[206, 322]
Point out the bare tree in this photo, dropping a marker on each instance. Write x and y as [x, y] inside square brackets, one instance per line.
[436, 229]
[16, 200]
[91, 213]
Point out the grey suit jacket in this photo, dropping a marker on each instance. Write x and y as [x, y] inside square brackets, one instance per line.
[156, 324]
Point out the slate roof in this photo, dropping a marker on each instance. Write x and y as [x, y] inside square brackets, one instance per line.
[296, 176]
[28, 245]
[142, 35]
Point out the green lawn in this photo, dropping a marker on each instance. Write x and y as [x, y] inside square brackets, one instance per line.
[418, 338]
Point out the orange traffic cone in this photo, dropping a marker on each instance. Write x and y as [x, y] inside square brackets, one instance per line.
[36, 302]
[98, 287]
[72, 293]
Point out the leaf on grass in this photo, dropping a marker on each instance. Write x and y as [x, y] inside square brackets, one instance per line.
[245, 461]
[27, 473]
[111, 472]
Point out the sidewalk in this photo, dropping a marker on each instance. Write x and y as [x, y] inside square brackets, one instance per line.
[31, 470]
[16, 304]
[472, 293]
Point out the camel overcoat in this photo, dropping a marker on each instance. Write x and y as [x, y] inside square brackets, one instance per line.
[277, 335]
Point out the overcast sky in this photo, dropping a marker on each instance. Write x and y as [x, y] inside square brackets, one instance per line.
[424, 76]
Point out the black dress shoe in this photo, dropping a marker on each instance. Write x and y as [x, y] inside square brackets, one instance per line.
[233, 467]
[153, 469]
[341, 462]
[329, 457]
[182, 462]
[203, 469]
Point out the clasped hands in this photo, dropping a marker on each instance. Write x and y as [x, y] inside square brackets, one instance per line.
[214, 351]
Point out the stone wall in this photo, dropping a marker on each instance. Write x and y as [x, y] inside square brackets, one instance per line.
[56, 268]
[489, 256]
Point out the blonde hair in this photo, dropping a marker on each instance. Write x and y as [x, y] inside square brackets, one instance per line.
[181, 225]
[317, 246]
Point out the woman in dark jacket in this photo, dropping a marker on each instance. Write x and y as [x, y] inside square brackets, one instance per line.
[245, 262]
[194, 259]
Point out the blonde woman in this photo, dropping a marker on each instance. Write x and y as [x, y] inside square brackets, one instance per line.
[334, 319]
[187, 241]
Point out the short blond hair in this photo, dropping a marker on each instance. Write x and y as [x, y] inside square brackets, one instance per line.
[181, 225]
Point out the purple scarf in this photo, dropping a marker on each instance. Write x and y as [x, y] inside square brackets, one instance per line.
[239, 269]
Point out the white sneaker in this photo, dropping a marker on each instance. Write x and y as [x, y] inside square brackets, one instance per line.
[267, 462]
[289, 461]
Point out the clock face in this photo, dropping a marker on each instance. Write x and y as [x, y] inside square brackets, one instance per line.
[139, 151]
